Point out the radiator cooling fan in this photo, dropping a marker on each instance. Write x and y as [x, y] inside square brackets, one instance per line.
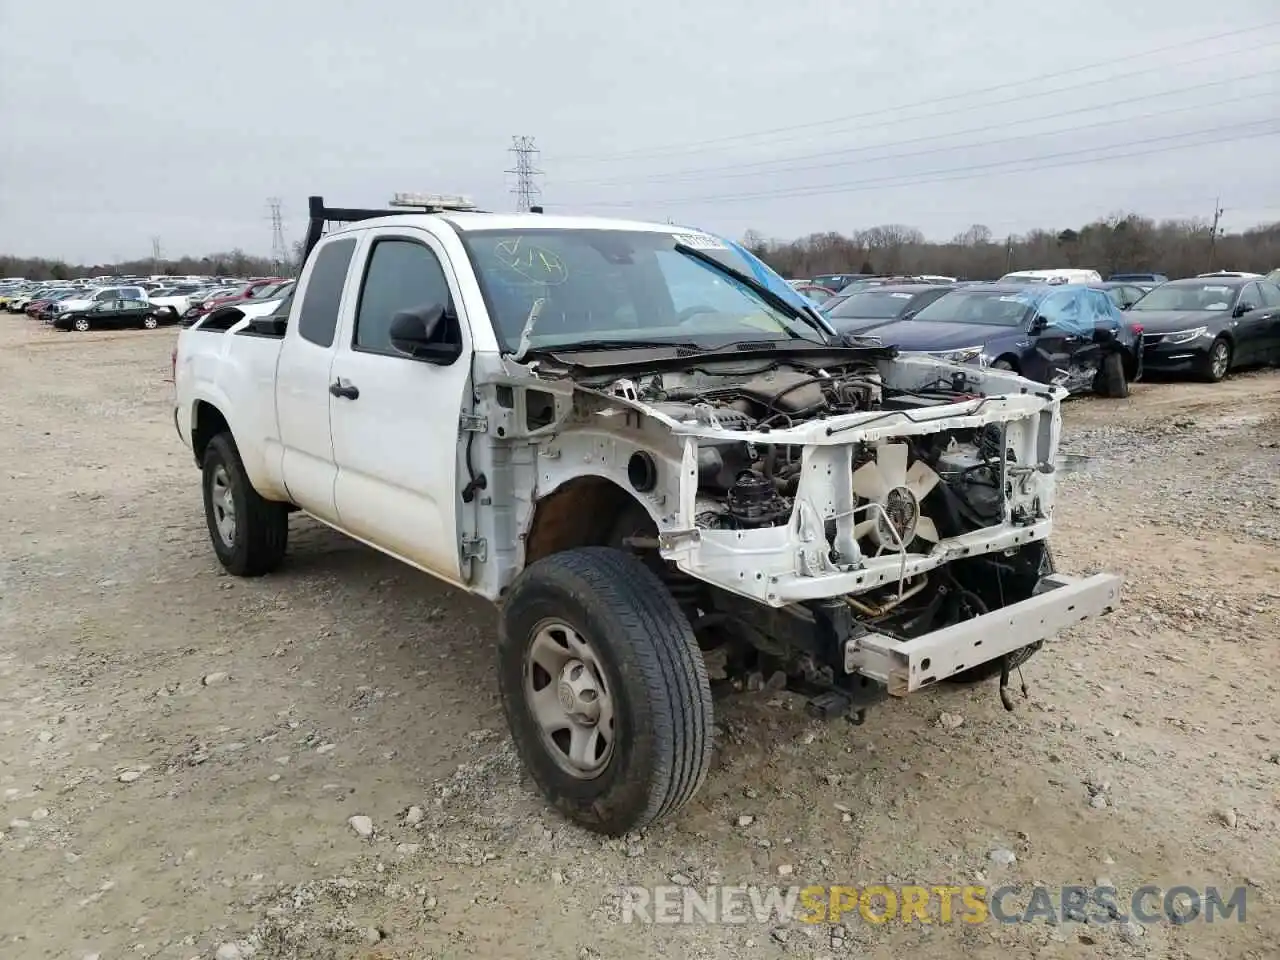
[898, 490]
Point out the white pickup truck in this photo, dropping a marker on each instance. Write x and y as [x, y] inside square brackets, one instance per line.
[660, 462]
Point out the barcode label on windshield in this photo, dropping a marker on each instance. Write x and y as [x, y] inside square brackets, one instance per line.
[699, 241]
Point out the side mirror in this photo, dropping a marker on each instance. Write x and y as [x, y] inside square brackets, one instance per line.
[1242, 308]
[1126, 306]
[909, 315]
[429, 333]
[1038, 325]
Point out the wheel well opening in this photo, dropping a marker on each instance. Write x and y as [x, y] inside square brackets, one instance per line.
[585, 512]
[1011, 360]
[209, 422]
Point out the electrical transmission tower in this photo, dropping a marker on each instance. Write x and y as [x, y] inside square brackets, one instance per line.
[526, 190]
[156, 255]
[279, 250]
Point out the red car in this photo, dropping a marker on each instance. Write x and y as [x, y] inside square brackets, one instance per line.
[257, 290]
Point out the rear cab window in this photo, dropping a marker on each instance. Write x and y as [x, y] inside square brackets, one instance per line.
[318, 316]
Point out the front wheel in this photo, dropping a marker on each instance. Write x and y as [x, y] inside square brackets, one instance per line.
[1217, 362]
[150, 323]
[81, 324]
[249, 533]
[604, 689]
[1111, 380]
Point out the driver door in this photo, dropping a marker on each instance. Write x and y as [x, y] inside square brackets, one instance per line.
[108, 313]
[397, 442]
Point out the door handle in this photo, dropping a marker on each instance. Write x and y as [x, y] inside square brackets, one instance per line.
[347, 391]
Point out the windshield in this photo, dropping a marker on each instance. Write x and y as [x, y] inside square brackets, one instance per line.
[1191, 296]
[991, 307]
[1020, 278]
[872, 304]
[625, 285]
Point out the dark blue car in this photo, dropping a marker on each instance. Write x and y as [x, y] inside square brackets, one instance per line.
[1069, 335]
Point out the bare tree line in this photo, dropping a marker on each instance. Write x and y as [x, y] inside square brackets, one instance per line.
[235, 263]
[1118, 243]
[1115, 244]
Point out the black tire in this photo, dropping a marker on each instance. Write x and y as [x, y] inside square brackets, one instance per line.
[992, 668]
[652, 670]
[1111, 379]
[260, 527]
[1216, 363]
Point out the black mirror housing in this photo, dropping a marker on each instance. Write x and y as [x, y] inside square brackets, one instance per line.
[1242, 308]
[1038, 325]
[432, 334]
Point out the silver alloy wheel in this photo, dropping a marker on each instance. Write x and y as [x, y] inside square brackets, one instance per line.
[565, 689]
[224, 506]
[149, 322]
[1219, 359]
[82, 323]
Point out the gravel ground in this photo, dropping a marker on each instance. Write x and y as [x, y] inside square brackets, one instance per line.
[314, 765]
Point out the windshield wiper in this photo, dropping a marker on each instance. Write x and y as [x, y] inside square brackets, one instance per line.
[577, 345]
[811, 318]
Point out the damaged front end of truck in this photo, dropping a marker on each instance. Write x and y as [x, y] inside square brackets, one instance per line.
[843, 522]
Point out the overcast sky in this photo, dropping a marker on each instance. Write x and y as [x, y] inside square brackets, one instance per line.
[138, 118]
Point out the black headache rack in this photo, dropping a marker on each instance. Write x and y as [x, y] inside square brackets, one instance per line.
[320, 215]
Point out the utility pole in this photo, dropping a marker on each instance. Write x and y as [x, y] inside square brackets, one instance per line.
[156, 255]
[279, 250]
[526, 190]
[1008, 254]
[1214, 234]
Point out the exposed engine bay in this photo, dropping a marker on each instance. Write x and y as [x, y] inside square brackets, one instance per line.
[923, 489]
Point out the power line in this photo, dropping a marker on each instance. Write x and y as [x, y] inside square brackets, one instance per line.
[526, 190]
[1213, 232]
[784, 165]
[966, 172]
[824, 126]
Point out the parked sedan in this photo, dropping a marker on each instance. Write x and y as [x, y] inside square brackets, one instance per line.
[1124, 293]
[1209, 325]
[1069, 335]
[114, 313]
[867, 309]
[814, 292]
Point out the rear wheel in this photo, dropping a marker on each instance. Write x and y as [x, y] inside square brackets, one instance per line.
[81, 324]
[1217, 362]
[249, 533]
[604, 689]
[150, 322]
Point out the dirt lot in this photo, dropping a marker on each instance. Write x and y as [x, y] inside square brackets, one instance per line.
[180, 752]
